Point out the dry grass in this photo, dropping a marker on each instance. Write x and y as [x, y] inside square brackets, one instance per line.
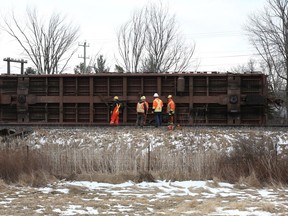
[77, 190]
[113, 178]
[239, 205]
[19, 164]
[144, 176]
[214, 183]
[208, 206]
[253, 181]
[135, 200]
[250, 163]
[268, 207]
[36, 178]
[3, 185]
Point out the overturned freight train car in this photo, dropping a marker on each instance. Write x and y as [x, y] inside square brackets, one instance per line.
[201, 98]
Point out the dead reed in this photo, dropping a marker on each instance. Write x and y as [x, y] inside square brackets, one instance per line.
[252, 162]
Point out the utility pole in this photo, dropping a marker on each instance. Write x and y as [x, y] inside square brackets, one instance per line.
[15, 60]
[84, 57]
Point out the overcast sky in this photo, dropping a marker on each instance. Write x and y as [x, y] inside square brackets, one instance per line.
[216, 26]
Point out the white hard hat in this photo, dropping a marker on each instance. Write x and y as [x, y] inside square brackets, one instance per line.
[116, 98]
[169, 96]
[155, 95]
[143, 98]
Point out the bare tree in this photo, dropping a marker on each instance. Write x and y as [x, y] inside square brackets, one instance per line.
[165, 46]
[268, 33]
[248, 67]
[151, 42]
[131, 40]
[49, 46]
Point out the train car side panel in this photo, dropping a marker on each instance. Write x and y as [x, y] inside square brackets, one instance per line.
[201, 98]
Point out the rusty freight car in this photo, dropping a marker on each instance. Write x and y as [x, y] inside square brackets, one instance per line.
[201, 98]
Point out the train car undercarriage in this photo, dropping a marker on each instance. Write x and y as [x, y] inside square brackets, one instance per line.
[201, 98]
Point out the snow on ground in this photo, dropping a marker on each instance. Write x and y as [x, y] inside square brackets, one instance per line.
[158, 198]
[217, 138]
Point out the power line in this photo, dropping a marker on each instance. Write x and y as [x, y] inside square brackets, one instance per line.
[190, 35]
[230, 56]
[231, 51]
[217, 32]
[214, 34]
[223, 64]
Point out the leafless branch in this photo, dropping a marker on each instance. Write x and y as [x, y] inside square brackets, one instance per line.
[151, 42]
[268, 33]
[49, 47]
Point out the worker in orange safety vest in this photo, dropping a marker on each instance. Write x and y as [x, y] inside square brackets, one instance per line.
[141, 110]
[115, 109]
[171, 111]
[157, 110]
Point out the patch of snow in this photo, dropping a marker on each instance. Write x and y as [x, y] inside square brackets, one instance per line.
[75, 210]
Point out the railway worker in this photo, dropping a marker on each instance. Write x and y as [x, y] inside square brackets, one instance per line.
[171, 111]
[141, 109]
[157, 110]
[115, 109]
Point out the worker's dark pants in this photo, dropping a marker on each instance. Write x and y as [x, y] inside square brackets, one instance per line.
[140, 119]
[158, 119]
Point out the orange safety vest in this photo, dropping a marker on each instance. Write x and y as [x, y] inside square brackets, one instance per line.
[170, 106]
[116, 108]
[157, 105]
[140, 107]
